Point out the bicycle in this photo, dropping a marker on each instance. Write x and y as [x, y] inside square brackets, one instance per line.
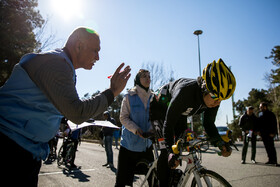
[68, 145]
[146, 172]
[53, 147]
[193, 159]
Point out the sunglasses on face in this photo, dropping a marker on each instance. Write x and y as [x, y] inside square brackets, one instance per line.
[213, 96]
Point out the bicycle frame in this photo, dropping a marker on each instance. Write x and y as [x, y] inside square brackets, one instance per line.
[192, 158]
[153, 166]
[193, 166]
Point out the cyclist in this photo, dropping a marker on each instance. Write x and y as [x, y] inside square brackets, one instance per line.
[53, 146]
[72, 136]
[184, 97]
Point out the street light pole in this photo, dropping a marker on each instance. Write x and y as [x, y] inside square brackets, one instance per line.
[198, 32]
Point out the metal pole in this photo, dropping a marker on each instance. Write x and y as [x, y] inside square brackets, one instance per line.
[199, 55]
[232, 100]
[198, 32]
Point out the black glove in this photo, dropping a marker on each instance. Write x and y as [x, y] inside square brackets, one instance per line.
[220, 145]
[172, 158]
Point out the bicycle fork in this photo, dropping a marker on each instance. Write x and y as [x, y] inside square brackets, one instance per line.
[194, 168]
[153, 166]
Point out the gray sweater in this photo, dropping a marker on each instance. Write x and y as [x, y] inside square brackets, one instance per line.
[54, 76]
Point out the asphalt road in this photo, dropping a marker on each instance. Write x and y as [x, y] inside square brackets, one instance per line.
[90, 158]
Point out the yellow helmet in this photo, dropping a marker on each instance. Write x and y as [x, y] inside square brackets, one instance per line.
[219, 80]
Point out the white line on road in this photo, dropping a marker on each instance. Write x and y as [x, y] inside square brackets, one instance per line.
[63, 172]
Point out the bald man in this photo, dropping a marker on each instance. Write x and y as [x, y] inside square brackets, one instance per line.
[40, 91]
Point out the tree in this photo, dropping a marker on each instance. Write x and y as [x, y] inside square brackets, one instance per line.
[271, 96]
[45, 40]
[239, 106]
[274, 81]
[275, 73]
[234, 127]
[159, 76]
[18, 19]
[254, 99]
[115, 108]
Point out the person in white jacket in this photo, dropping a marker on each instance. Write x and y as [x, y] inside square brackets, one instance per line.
[134, 116]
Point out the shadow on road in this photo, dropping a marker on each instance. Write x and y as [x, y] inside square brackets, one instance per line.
[263, 164]
[76, 174]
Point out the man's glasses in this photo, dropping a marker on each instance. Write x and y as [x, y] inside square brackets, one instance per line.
[213, 96]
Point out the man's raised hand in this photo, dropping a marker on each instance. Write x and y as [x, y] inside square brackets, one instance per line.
[119, 79]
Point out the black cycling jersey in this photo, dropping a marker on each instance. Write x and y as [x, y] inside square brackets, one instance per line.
[176, 101]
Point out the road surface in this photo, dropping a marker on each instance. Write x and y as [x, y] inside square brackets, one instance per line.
[91, 156]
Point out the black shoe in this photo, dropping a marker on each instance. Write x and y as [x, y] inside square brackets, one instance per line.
[110, 165]
[73, 166]
[105, 164]
[272, 163]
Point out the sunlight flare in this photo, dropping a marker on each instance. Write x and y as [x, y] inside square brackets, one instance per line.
[67, 9]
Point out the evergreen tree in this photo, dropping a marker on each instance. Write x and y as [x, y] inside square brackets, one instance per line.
[18, 20]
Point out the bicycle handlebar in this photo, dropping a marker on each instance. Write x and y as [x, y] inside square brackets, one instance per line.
[182, 145]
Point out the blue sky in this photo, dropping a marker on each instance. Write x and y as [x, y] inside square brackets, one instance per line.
[240, 32]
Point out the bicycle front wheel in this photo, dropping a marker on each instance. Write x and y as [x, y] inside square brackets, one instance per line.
[142, 168]
[210, 178]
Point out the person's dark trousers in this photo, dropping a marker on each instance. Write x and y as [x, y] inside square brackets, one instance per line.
[270, 148]
[116, 142]
[246, 141]
[19, 167]
[163, 169]
[127, 161]
[108, 141]
[76, 142]
[64, 145]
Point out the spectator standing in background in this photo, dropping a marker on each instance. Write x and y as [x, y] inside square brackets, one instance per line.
[268, 130]
[108, 139]
[116, 137]
[248, 125]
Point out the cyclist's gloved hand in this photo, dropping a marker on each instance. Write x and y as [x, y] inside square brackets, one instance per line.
[173, 161]
[225, 148]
